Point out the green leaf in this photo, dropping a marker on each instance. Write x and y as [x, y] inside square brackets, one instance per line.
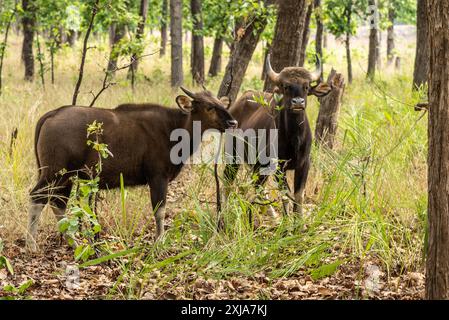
[325, 270]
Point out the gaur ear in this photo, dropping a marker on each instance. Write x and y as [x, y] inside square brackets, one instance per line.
[320, 90]
[226, 101]
[184, 103]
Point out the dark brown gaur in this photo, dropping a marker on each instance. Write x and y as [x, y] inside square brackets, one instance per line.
[137, 135]
[288, 115]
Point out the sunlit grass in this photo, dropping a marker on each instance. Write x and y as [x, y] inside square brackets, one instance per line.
[366, 199]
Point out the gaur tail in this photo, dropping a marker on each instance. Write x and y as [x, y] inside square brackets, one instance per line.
[39, 125]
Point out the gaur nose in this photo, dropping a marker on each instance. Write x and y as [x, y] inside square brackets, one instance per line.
[232, 123]
[298, 101]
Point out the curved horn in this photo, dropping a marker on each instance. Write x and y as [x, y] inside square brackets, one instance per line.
[316, 75]
[187, 92]
[274, 76]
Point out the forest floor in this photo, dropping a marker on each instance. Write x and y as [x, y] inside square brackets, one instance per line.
[362, 237]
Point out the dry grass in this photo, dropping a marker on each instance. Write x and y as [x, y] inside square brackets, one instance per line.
[375, 210]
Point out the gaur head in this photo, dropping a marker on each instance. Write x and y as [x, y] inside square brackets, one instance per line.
[204, 107]
[296, 83]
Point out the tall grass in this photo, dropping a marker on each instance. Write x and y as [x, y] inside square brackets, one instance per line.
[366, 199]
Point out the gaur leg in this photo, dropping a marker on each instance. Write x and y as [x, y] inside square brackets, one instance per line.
[39, 199]
[301, 173]
[230, 173]
[158, 190]
[281, 178]
[59, 201]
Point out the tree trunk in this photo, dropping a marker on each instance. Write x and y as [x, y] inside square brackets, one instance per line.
[325, 39]
[164, 27]
[265, 57]
[71, 37]
[373, 42]
[437, 265]
[197, 66]
[4, 44]
[288, 37]
[422, 46]
[140, 37]
[348, 14]
[390, 35]
[215, 63]
[119, 33]
[319, 32]
[305, 35]
[177, 75]
[241, 54]
[28, 22]
[112, 27]
[327, 121]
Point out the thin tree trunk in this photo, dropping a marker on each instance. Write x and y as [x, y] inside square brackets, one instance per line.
[140, 37]
[288, 37]
[265, 57]
[319, 32]
[119, 34]
[71, 37]
[348, 41]
[111, 34]
[52, 63]
[177, 76]
[373, 45]
[197, 66]
[437, 265]
[28, 22]
[84, 52]
[4, 44]
[164, 27]
[390, 35]
[305, 35]
[327, 121]
[241, 53]
[40, 58]
[215, 63]
[422, 46]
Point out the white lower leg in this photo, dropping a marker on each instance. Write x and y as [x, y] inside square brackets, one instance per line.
[299, 199]
[160, 218]
[33, 223]
[270, 209]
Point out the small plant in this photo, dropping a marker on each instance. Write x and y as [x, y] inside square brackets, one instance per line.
[17, 292]
[81, 224]
[4, 262]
